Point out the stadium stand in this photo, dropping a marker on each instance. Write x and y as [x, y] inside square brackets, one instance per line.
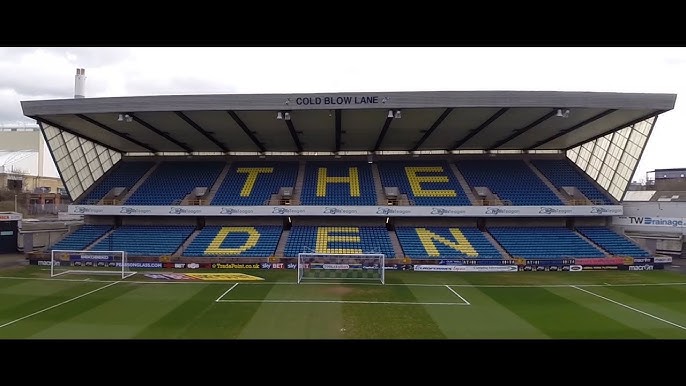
[443, 242]
[338, 183]
[424, 183]
[339, 239]
[145, 240]
[511, 180]
[81, 238]
[174, 180]
[231, 241]
[613, 242]
[562, 173]
[253, 183]
[543, 242]
[125, 175]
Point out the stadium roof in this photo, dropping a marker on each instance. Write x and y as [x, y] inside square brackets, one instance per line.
[365, 121]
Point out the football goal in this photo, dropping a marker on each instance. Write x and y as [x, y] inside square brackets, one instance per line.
[341, 267]
[64, 262]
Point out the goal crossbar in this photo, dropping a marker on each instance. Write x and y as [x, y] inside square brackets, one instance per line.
[89, 262]
[342, 267]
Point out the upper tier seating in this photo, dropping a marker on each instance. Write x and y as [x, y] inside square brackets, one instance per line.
[125, 175]
[253, 183]
[563, 173]
[338, 183]
[425, 183]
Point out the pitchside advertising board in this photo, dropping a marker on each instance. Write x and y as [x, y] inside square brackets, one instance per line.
[377, 211]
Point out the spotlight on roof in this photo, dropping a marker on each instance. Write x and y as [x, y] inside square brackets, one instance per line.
[279, 115]
[370, 159]
[128, 118]
[390, 114]
[120, 118]
[562, 113]
[398, 114]
[287, 116]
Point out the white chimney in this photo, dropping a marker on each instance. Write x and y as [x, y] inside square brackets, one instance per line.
[80, 83]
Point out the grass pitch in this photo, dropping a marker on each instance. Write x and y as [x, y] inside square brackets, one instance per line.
[412, 305]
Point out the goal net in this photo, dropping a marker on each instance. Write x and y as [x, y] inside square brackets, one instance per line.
[341, 267]
[89, 262]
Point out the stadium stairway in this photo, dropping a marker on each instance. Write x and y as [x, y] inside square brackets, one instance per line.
[141, 181]
[218, 183]
[299, 181]
[463, 183]
[99, 239]
[281, 246]
[395, 243]
[607, 254]
[186, 243]
[546, 181]
[378, 186]
[496, 244]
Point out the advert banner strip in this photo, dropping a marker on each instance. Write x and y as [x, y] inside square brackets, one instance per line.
[377, 211]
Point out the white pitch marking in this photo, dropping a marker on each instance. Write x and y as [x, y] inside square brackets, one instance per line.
[226, 292]
[59, 304]
[629, 307]
[458, 295]
[340, 301]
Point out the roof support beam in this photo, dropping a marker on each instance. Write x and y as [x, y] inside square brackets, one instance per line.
[432, 128]
[246, 130]
[338, 119]
[633, 122]
[47, 122]
[160, 133]
[115, 132]
[201, 130]
[481, 127]
[578, 125]
[523, 130]
[294, 135]
[382, 134]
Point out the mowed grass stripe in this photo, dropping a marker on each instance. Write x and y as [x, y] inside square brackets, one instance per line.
[23, 298]
[27, 328]
[560, 317]
[124, 315]
[485, 318]
[645, 310]
[200, 317]
[388, 321]
[290, 320]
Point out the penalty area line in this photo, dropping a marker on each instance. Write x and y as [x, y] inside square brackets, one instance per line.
[458, 295]
[629, 307]
[225, 292]
[341, 302]
[58, 304]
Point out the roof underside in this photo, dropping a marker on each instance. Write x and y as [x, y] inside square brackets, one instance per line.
[476, 120]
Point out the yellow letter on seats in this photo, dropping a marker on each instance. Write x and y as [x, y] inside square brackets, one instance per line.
[427, 238]
[215, 246]
[352, 180]
[252, 177]
[415, 181]
[324, 238]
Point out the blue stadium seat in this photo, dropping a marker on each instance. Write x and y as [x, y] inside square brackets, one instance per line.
[253, 183]
[81, 238]
[339, 239]
[342, 188]
[563, 173]
[174, 180]
[445, 243]
[511, 180]
[543, 243]
[425, 183]
[231, 241]
[613, 242]
[125, 174]
[145, 240]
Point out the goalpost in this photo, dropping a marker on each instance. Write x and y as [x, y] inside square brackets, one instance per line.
[89, 262]
[332, 266]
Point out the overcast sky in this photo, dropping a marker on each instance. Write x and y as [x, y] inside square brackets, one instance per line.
[48, 73]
